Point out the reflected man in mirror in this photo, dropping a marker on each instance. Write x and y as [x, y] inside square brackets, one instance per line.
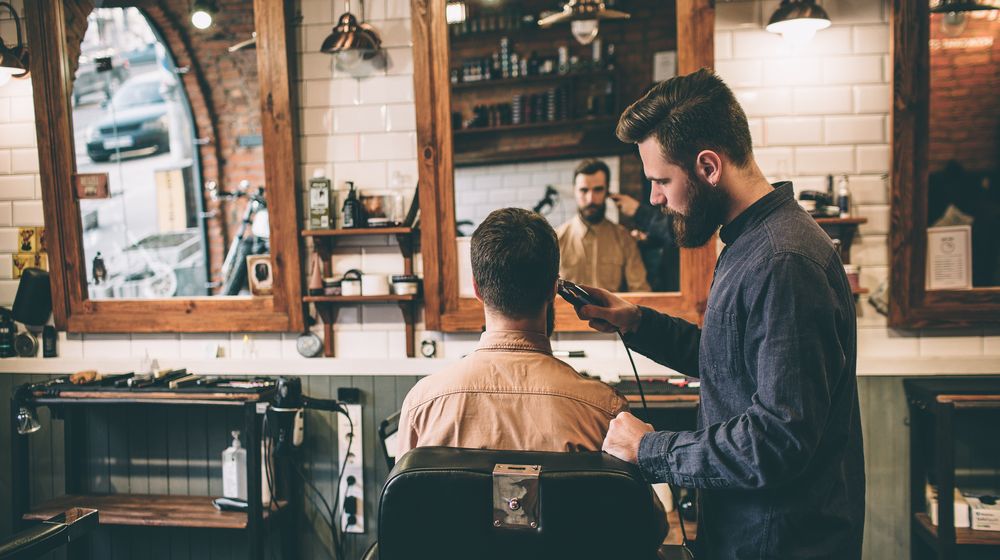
[596, 251]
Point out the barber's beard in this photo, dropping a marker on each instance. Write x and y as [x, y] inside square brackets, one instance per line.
[550, 319]
[593, 213]
[706, 210]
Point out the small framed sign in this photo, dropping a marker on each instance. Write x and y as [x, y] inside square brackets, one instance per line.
[260, 275]
[91, 185]
[949, 258]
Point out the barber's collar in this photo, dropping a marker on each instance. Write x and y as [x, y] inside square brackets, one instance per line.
[757, 211]
[515, 340]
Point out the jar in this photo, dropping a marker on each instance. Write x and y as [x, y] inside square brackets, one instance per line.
[350, 284]
[405, 284]
[331, 286]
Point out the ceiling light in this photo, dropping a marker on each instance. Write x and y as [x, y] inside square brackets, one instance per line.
[953, 12]
[202, 13]
[454, 12]
[351, 41]
[13, 60]
[798, 20]
[584, 17]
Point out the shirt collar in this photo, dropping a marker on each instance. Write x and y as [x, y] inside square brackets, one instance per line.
[583, 226]
[757, 211]
[515, 340]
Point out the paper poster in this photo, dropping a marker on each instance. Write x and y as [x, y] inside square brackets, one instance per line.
[664, 65]
[949, 258]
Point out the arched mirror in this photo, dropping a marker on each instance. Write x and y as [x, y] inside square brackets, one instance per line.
[168, 176]
[521, 109]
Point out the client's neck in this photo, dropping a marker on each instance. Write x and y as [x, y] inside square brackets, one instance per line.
[496, 321]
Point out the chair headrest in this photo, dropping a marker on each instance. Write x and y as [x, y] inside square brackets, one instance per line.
[438, 503]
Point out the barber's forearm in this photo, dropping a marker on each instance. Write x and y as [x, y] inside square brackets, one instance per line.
[667, 340]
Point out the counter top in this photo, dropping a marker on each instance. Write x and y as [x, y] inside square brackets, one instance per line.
[609, 370]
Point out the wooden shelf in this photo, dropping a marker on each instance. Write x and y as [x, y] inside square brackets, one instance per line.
[533, 126]
[860, 291]
[530, 80]
[358, 231]
[359, 299]
[922, 523]
[149, 510]
[841, 221]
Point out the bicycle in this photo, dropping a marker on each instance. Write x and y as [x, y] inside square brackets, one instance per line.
[233, 274]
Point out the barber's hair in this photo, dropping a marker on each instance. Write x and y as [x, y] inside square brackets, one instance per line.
[591, 166]
[688, 114]
[515, 261]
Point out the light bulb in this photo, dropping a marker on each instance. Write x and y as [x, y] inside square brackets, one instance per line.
[201, 19]
[953, 23]
[584, 30]
[349, 59]
[454, 12]
[798, 31]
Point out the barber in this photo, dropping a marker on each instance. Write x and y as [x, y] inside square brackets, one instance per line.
[778, 454]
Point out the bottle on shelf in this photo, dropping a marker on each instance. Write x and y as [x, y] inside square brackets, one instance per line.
[844, 197]
[351, 211]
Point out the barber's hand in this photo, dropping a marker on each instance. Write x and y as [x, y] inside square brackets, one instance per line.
[626, 204]
[612, 315]
[624, 435]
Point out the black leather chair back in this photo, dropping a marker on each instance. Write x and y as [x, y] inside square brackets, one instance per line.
[438, 504]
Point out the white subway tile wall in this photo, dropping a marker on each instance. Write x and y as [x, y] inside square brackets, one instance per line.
[817, 109]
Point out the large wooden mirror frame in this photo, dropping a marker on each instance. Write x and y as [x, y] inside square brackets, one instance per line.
[910, 304]
[445, 310]
[73, 310]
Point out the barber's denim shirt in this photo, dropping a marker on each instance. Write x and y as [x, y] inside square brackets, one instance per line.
[778, 453]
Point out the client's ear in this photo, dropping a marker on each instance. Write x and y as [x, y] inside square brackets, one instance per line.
[475, 290]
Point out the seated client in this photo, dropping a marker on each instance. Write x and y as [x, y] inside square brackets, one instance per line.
[511, 393]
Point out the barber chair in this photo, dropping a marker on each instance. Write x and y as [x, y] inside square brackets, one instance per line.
[71, 526]
[446, 503]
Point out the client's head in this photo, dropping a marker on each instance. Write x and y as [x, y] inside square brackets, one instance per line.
[515, 264]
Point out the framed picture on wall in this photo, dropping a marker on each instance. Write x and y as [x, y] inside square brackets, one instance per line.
[260, 275]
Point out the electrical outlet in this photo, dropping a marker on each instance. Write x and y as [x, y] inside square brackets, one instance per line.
[352, 484]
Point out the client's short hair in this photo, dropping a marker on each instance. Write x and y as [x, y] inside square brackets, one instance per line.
[591, 166]
[515, 261]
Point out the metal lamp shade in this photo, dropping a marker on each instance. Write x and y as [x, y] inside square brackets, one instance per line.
[578, 10]
[349, 35]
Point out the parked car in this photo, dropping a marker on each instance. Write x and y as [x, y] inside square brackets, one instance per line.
[90, 80]
[135, 121]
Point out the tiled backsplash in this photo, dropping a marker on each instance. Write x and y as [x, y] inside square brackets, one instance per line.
[820, 109]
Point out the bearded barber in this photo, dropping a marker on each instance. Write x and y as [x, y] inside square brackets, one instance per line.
[778, 454]
[593, 249]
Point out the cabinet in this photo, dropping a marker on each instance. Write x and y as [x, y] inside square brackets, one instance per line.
[935, 405]
[324, 241]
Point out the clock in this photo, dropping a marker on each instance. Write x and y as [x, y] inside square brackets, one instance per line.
[428, 348]
[309, 344]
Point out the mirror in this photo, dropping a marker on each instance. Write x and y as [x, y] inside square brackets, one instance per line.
[533, 116]
[946, 146]
[525, 116]
[170, 165]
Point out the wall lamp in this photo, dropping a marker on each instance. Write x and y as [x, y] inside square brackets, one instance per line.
[27, 422]
[352, 41]
[798, 20]
[953, 14]
[584, 17]
[13, 60]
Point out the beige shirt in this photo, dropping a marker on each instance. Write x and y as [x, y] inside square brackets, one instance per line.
[602, 255]
[509, 394]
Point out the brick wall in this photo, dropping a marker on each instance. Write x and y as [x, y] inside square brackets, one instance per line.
[821, 109]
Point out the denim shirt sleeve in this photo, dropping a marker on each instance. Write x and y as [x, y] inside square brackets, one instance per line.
[792, 347]
[667, 340]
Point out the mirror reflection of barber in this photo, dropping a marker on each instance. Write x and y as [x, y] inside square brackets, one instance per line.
[654, 232]
[595, 250]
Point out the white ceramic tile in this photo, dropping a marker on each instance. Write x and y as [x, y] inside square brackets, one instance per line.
[871, 39]
[764, 102]
[456, 345]
[856, 11]
[873, 159]
[958, 343]
[4, 110]
[872, 99]
[8, 240]
[387, 89]
[869, 189]
[822, 160]
[69, 345]
[337, 148]
[202, 346]
[252, 346]
[596, 345]
[407, 169]
[793, 131]
[17, 135]
[316, 66]
[6, 265]
[396, 340]
[878, 219]
[313, 37]
[400, 117]
[801, 71]
[382, 260]
[358, 344]
[853, 69]
[870, 250]
[389, 145]
[395, 32]
[22, 109]
[825, 100]
[28, 213]
[775, 162]
[382, 318]
[830, 41]
[365, 174]
[399, 61]
[723, 44]
[736, 15]
[862, 129]
[107, 346]
[165, 348]
[6, 214]
[316, 121]
[22, 160]
[881, 342]
[316, 11]
[365, 118]
[4, 161]
[756, 127]
[16, 88]
[758, 44]
[740, 73]
[331, 93]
